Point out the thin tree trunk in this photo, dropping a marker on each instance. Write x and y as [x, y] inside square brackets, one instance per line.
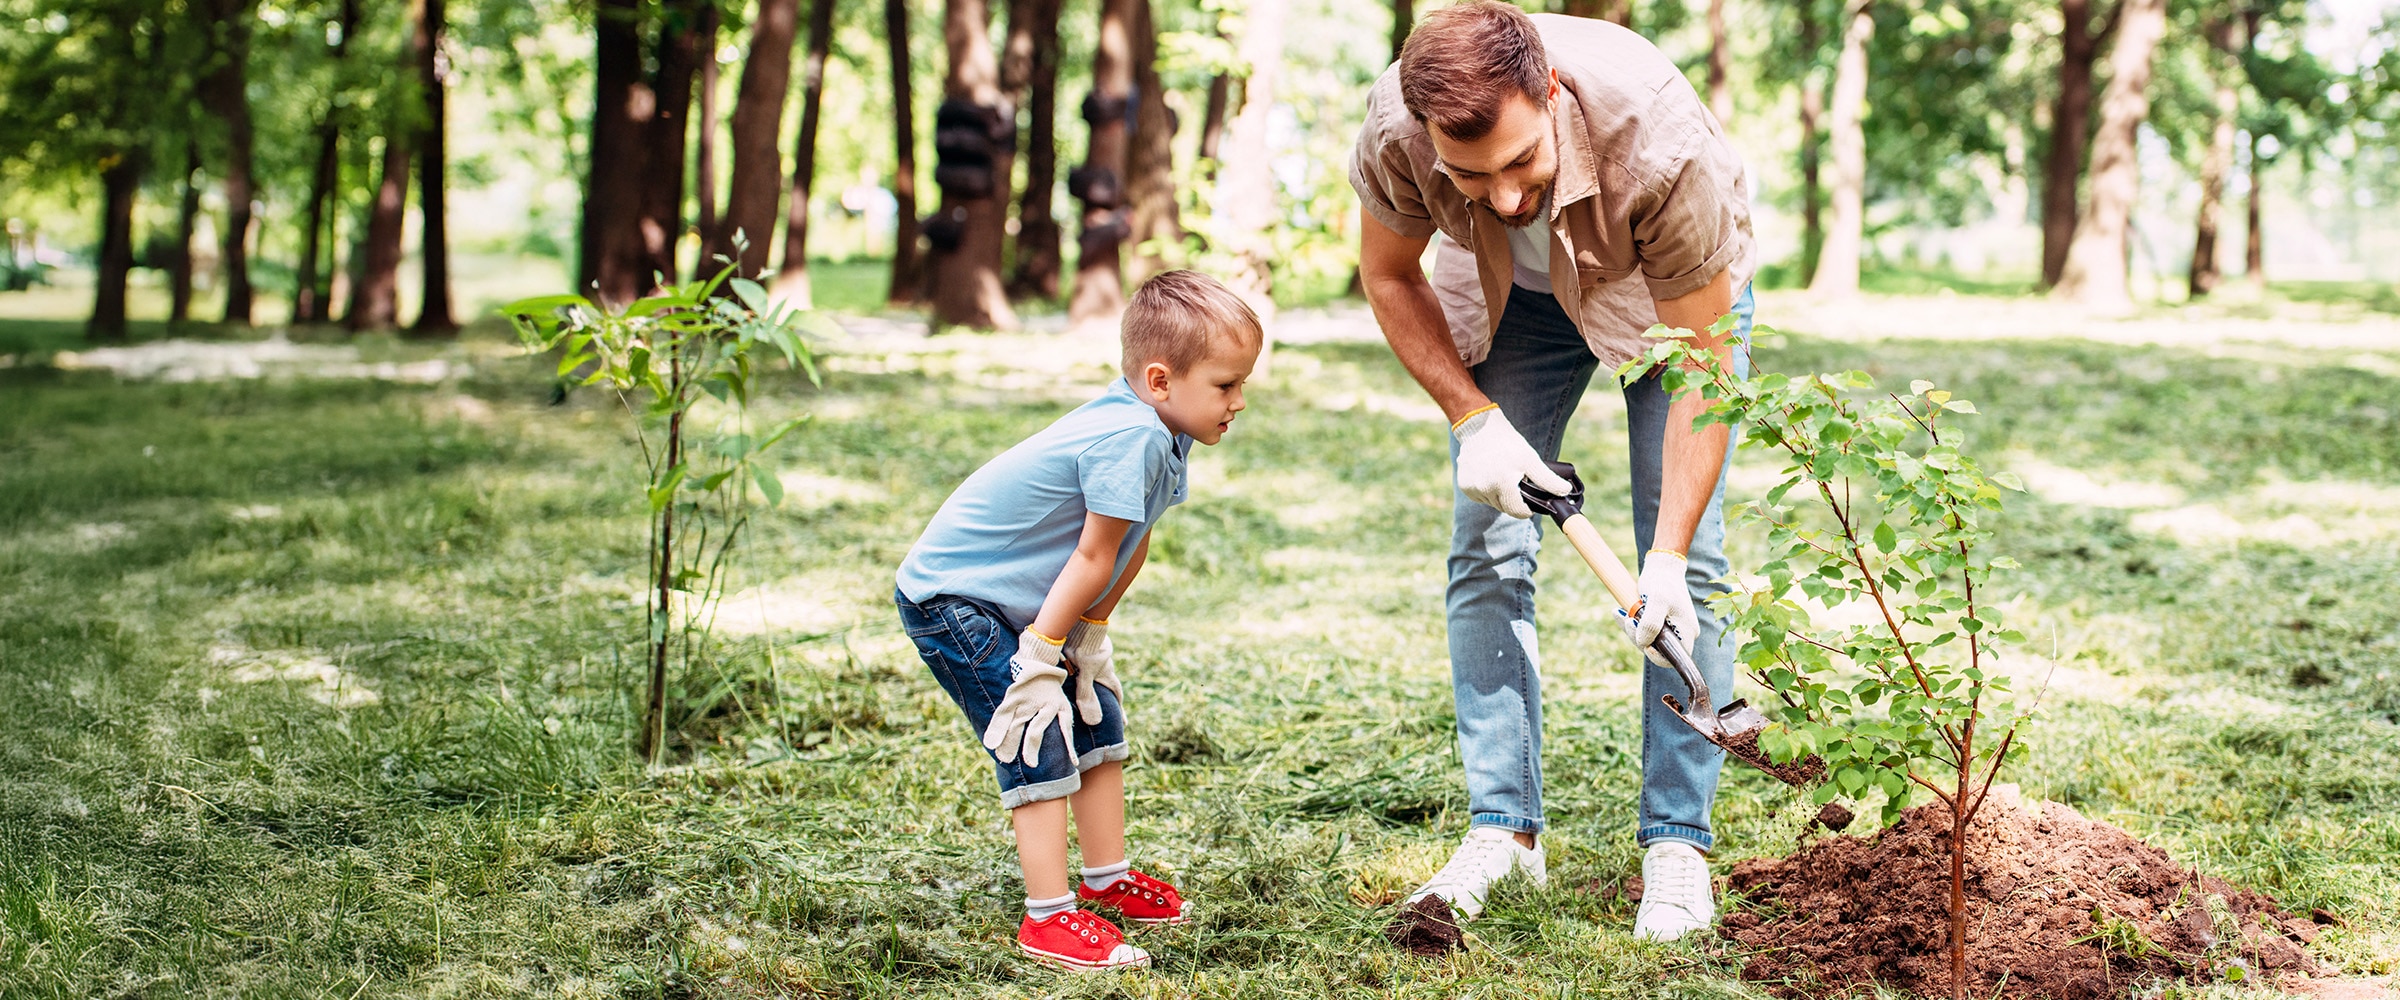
[1720, 95]
[308, 300]
[680, 54]
[975, 141]
[1150, 161]
[704, 162]
[1812, 108]
[1245, 183]
[1845, 240]
[654, 713]
[1958, 863]
[2095, 270]
[120, 183]
[2254, 240]
[1212, 120]
[2206, 274]
[2070, 132]
[1100, 182]
[1038, 257]
[609, 247]
[187, 216]
[757, 185]
[224, 89]
[434, 318]
[908, 266]
[1404, 18]
[1620, 11]
[374, 296]
[791, 283]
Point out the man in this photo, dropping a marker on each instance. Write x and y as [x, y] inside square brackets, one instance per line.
[1581, 191]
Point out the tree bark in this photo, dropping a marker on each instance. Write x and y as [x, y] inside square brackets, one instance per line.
[2254, 241]
[2218, 162]
[309, 303]
[791, 283]
[1620, 11]
[610, 250]
[1150, 161]
[375, 294]
[434, 317]
[1100, 183]
[120, 183]
[1245, 183]
[1404, 18]
[975, 143]
[224, 90]
[704, 161]
[2095, 269]
[757, 185]
[1845, 240]
[908, 265]
[2070, 132]
[680, 54]
[1812, 108]
[1212, 119]
[187, 216]
[1038, 258]
[1720, 95]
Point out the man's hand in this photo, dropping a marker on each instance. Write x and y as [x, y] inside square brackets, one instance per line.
[1666, 606]
[1036, 700]
[1493, 457]
[1088, 649]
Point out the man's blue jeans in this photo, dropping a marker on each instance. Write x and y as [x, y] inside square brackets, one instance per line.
[1537, 371]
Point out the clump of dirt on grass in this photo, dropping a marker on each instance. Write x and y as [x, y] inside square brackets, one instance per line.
[1427, 927]
[2064, 907]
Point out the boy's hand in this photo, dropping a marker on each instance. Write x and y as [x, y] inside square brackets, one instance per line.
[1088, 649]
[1036, 700]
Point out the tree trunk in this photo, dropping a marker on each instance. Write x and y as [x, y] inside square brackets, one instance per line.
[2254, 240]
[704, 161]
[1150, 161]
[224, 89]
[2070, 133]
[1245, 182]
[610, 248]
[1404, 18]
[187, 216]
[308, 300]
[374, 296]
[975, 146]
[2095, 270]
[1845, 240]
[2206, 274]
[434, 317]
[1038, 257]
[757, 185]
[1100, 182]
[791, 283]
[120, 182]
[908, 266]
[1720, 96]
[1620, 11]
[682, 42]
[1812, 108]
[1212, 120]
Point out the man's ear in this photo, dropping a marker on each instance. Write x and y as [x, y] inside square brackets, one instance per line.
[1554, 85]
[1155, 377]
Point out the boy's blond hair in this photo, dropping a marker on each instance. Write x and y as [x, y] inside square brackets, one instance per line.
[1178, 319]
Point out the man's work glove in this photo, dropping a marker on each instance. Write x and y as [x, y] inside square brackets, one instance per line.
[1666, 606]
[1493, 457]
[1088, 650]
[1036, 700]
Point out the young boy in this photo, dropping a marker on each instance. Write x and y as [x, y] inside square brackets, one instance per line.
[1012, 585]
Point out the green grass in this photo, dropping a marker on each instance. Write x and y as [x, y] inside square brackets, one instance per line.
[198, 581]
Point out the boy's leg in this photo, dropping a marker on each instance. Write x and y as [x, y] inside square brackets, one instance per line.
[1042, 847]
[1100, 815]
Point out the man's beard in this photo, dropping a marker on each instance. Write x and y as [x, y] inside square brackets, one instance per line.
[1531, 215]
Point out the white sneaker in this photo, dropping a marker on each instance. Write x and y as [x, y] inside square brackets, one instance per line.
[1487, 855]
[1676, 896]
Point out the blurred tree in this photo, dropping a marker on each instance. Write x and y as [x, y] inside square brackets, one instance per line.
[791, 281]
[685, 43]
[1720, 96]
[1246, 182]
[375, 288]
[908, 265]
[1150, 161]
[187, 218]
[224, 91]
[1620, 11]
[310, 301]
[1404, 19]
[2300, 107]
[2219, 29]
[756, 186]
[974, 145]
[434, 317]
[2070, 128]
[704, 134]
[1811, 37]
[1100, 182]
[608, 249]
[2095, 273]
[1844, 241]
[1029, 78]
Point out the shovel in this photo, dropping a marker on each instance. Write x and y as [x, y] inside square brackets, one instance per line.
[1735, 727]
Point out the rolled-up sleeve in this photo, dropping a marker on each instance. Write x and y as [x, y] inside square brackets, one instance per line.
[1686, 225]
[1379, 172]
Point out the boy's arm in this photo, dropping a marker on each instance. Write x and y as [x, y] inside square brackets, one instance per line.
[1133, 567]
[1084, 583]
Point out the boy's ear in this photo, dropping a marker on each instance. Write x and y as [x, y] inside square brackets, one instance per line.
[1155, 377]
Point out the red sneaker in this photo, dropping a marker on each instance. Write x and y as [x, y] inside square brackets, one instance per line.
[1140, 899]
[1078, 941]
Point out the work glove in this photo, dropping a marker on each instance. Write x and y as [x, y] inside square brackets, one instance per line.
[1088, 650]
[1666, 607]
[1036, 700]
[1493, 458]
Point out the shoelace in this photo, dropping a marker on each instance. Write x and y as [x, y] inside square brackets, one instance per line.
[1473, 855]
[1677, 879]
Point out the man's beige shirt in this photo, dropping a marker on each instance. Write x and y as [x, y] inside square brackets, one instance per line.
[1647, 183]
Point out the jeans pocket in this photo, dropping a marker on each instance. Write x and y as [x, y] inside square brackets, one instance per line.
[973, 628]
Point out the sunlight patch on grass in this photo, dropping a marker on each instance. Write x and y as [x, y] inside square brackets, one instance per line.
[2062, 485]
[813, 603]
[2309, 515]
[318, 676]
[216, 361]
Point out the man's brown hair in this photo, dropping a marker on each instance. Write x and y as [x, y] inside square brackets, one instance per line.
[1178, 318]
[1463, 62]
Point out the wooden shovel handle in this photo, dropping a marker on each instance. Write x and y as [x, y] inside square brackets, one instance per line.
[1603, 560]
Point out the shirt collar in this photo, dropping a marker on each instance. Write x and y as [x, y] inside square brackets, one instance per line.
[1578, 172]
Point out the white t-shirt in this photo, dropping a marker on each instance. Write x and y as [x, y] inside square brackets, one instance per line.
[1530, 249]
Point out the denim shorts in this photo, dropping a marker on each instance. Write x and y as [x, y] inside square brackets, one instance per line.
[968, 644]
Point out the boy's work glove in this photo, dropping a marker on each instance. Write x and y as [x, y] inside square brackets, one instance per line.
[1088, 649]
[1666, 606]
[1036, 700]
[1493, 457]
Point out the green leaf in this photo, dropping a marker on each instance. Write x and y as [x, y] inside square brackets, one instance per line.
[2010, 480]
[750, 293]
[768, 486]
[1885, 538]
[1919, 387]
[1959, 406]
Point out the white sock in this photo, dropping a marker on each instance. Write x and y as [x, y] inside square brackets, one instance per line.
[1099, 879]
[1044, 909]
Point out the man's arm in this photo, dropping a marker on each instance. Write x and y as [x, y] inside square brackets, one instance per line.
[1411, 317]
[1085, 579]
[1688, 471]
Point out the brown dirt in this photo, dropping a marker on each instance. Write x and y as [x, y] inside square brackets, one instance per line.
[2041, 879]
[1835, 817]
[1427, 927]
[1802, 773]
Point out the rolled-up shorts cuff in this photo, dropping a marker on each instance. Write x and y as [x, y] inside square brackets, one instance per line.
[1059, 788]
[1699, 839]
[1519, 824]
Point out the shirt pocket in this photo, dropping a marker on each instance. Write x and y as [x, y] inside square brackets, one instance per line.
[1595, 269]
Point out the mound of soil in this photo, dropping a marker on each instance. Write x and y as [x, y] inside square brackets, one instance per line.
[2064, 907]
[1427, 927]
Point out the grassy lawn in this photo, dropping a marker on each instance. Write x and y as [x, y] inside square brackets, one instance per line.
[323, 688]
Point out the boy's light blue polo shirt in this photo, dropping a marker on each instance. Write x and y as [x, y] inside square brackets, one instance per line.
[1006, 533]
